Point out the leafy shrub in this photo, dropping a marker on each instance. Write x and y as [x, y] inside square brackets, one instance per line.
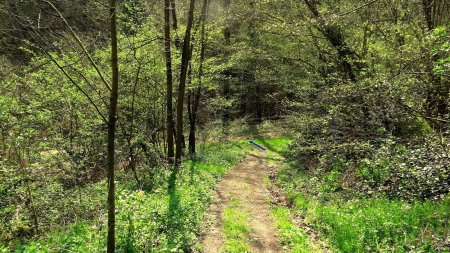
[419, 171]
[166, 219]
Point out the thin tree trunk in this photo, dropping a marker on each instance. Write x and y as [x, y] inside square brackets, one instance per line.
[29, 203]
[130, 136]
[185, 58]
[175, 24]
[174, 14]
[169, 80]
[195, 97]
[112, 129]
[191, 141]
[427, 11]
[226, 30]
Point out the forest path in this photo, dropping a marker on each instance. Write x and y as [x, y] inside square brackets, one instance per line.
[243, 189]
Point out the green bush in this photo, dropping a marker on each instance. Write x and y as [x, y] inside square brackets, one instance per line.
[166, 219]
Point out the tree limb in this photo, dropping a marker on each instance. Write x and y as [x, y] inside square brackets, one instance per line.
[75, 36]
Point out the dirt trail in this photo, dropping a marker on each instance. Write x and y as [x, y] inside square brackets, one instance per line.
[245, 184]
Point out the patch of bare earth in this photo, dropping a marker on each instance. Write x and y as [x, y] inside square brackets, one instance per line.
[244, 184]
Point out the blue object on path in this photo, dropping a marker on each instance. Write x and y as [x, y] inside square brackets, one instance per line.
[260, 147]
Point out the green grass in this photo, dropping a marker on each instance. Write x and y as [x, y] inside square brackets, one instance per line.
[275, 148]
[355, 224]
[235, 229]
[293, 238]
[167, 219]
[275, 145]
[372, 224]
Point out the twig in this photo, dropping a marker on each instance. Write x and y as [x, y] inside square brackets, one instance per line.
[357, 8]
[74, 35]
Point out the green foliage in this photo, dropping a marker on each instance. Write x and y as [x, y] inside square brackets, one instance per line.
[276, 145]
[367, 224]
[396, 167]
[352, 222]
[419, 171]
[441, 51]
[53, 137]
[383, 133]
[165, 219]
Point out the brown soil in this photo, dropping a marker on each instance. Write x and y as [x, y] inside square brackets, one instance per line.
[244, 184]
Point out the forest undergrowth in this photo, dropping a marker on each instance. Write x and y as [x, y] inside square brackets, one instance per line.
[168, 218]
[349, 221]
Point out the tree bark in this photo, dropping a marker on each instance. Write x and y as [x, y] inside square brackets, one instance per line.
[193, 101]
[173, 8]
[169, 82]
[185, 58]
[195, 96]
[129, 137]
[427, 11]
[112, 129]
[174, 14]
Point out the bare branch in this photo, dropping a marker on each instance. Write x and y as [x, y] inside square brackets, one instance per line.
[52, 59]
[75, 36]
[357, 8]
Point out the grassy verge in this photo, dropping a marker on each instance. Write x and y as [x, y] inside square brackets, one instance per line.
[167, 219]
[235, 229]
[354, 224]
[293, 238]
[275, 146]
[367, 224]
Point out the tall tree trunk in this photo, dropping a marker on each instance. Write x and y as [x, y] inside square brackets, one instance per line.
[428, 14]
[112, 129]
[185, 58]
[169, 81]
[194, 101]
[192, 123]
[195, 96]
[251, 76]
[174, 14]
[175, 24]
[129, 136]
